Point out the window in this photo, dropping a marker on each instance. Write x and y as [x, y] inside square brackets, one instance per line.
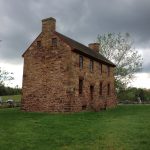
[38, 44]
[54, 41]
[108, 89]
[84, 107]
[100, 67]
[80, 86]
[91, 65]
[101, 89]
[108, 71]
[81, 62]
[91, 91]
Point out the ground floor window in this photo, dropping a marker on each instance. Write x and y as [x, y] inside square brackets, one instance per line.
[101, 89]
[91, 91]
[108, 89]
[80, 86]
[84, 107]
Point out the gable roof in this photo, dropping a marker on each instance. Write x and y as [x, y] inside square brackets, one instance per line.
[80, 48]
[31, 44]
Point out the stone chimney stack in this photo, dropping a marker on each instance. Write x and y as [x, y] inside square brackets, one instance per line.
[49, 25]
[94, 46]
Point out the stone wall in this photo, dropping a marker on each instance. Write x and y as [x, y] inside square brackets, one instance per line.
[51, 80]
[46, 79]
[51, 77]
[92, 78]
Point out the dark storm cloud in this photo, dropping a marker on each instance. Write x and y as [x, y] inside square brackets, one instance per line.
[82, 20]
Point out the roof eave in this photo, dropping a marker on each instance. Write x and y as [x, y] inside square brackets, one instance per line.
[80, 52]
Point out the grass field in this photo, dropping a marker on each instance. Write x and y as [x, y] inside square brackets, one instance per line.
[16, 98]
[126, 127]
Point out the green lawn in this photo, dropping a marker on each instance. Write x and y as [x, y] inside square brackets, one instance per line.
[126, 127]
[16, 98]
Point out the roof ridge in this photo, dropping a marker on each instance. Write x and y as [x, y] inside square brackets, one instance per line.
[74, 40]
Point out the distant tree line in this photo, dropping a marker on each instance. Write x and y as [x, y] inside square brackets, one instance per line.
[9, 91]
[132, 94]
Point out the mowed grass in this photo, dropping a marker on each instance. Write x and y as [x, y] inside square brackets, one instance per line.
[125, 127]
[16, 98]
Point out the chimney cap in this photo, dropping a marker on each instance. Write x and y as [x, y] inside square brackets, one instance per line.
[49, 19]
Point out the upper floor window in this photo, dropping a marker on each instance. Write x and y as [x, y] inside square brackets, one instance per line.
[54, 41]
[91, 65]
[100, 68]
[108, 89]
[81, 62]
[39, 44]
[108, 71]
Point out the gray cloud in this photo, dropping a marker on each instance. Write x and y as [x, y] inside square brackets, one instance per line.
[146, 63]
[146, 67]
[82, 20]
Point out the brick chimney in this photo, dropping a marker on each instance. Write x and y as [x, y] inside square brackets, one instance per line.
[48, 25]
[94, 46]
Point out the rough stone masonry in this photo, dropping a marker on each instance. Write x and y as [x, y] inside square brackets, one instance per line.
[63, 75]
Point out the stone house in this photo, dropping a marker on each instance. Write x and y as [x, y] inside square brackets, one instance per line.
[63, 75]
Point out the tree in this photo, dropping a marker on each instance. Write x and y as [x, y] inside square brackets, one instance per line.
[141, 94]
[119, 49]
[5, 76]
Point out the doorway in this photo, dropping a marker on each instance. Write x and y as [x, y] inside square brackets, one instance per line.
[91, 91]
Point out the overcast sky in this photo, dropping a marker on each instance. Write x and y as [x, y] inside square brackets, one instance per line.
[81, 20]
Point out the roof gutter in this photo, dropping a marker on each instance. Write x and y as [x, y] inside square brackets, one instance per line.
[78, 51]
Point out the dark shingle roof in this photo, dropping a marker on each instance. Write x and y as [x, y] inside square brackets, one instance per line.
[80, 48]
